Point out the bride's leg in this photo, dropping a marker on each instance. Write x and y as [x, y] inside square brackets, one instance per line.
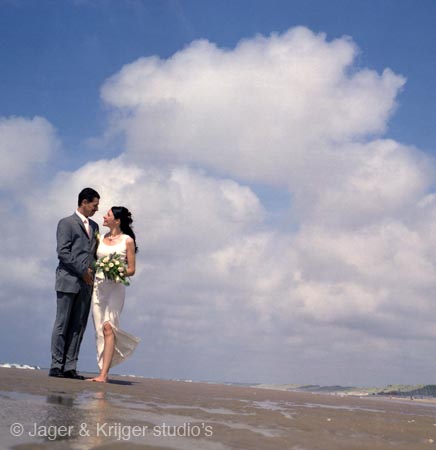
[109, 347]
[108, 352]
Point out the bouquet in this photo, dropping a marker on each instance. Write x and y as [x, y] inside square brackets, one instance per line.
[113, 268]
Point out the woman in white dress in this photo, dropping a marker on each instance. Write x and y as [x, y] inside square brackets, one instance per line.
[113, 344]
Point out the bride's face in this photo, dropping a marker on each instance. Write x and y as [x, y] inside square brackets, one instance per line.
[109, 220]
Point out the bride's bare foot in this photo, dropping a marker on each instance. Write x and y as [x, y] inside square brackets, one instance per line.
[99, 379]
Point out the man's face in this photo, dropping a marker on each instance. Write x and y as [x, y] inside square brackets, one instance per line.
[90, 208]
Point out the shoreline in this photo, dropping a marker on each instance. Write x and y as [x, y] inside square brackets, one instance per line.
[183, 415]
[340, 391]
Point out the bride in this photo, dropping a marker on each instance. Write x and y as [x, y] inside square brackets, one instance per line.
[113, 344]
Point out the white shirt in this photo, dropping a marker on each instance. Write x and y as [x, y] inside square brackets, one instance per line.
[84, 220]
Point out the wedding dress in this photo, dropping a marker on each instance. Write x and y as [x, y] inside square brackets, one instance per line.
[107, 304]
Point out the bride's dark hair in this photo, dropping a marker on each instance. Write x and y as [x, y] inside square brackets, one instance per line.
[125, 216]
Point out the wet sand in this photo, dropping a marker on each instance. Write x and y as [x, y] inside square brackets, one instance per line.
[134, 413]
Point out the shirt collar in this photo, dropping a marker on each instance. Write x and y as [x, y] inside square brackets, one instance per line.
[82, 217]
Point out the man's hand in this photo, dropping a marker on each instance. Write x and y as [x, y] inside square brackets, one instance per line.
[88, 277]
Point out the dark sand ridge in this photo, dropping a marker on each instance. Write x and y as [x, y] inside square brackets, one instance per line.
[202, 416]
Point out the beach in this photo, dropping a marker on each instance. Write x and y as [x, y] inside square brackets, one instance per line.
[129, 413]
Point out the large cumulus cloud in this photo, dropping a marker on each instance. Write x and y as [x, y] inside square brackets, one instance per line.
[263, 111]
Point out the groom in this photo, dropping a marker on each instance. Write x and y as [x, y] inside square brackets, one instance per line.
[76, 248]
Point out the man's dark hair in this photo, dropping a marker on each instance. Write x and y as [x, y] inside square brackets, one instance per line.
[88, 194]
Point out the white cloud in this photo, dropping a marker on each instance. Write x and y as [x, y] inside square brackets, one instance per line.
[175, 209]
[263, 111]
[356, 184]
[25, 146]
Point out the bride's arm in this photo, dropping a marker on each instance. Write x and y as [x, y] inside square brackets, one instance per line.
[131, 257]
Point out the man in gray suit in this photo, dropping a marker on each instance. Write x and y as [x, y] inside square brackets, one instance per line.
[76, 249]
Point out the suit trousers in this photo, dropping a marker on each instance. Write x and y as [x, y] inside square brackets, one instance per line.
[71, 318]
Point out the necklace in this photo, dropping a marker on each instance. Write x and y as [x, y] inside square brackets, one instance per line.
[115, 237]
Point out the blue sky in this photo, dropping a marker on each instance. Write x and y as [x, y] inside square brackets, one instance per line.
[278, 158]
[55, 55]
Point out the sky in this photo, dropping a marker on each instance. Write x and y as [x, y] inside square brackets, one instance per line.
[278, 158]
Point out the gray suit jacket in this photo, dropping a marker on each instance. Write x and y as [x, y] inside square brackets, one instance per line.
[76, 252]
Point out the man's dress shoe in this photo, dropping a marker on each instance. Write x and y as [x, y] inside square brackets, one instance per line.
[73, 374]
[55, 372]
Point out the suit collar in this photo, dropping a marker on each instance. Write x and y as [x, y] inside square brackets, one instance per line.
[82, 225]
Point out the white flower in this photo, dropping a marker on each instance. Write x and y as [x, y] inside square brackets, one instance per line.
[117, 263]
[111, 264]
[101, 264]
[106, 269]
[120, 269]
[105, 260]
